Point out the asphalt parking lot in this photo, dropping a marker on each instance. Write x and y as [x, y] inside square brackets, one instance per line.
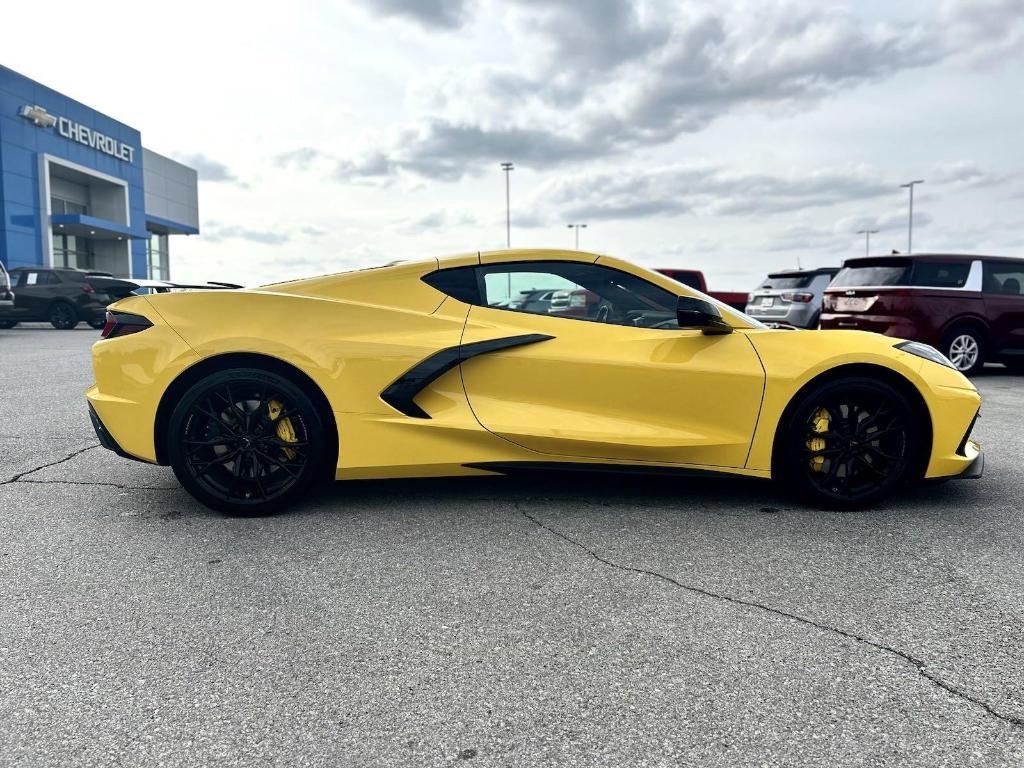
[553, 620]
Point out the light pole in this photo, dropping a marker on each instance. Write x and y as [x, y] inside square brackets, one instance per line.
[910, 220]
[577, 227]
[508, 168]
[867, 239]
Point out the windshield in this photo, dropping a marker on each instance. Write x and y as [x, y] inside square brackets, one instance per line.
[855, 277]
[787, 281]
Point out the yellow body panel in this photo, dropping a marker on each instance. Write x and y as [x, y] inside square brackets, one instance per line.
[656, 398]
[594, 393]
[793, 358]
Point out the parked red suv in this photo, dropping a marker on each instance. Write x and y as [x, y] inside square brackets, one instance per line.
[971, 308]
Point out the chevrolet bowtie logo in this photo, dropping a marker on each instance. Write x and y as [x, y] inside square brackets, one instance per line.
[39, 116]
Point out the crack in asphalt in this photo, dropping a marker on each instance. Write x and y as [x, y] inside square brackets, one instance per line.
[102, 484]
[17, 477]
[23, 477]
[921, 667]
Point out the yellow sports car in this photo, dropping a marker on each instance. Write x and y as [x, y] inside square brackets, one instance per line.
[519, 359]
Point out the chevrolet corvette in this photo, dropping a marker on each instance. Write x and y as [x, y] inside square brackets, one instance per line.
[449, 367]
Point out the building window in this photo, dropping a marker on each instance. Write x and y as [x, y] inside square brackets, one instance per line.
[72, 251]
[156, 257]
[60, 206]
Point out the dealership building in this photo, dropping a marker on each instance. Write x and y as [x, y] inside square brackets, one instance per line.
[78, 189]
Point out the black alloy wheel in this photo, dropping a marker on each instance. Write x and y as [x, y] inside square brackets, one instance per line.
[850, 443]
[246, 441]
[63, 316]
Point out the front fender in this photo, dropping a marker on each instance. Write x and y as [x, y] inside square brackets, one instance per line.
[792, 359]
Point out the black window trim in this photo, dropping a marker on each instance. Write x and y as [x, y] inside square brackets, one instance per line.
[480, 271]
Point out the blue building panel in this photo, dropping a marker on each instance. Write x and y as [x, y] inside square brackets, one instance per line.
[54, 147]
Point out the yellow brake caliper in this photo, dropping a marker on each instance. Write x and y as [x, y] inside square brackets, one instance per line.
[284, 430]
[821, 421]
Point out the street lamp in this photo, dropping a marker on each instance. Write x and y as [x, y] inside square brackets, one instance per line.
[910, 221]
[867, 239]
[577, 227]
[508, 168]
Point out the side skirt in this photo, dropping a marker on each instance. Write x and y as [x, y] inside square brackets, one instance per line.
[512, 467]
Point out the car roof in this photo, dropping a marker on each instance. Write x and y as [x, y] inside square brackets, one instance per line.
[49, 269]
[899, 257]
[516, 254]
[799, 272]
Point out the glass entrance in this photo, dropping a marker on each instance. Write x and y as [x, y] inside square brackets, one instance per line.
[73, 251]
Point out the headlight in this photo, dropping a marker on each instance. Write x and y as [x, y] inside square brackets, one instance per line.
[925, 351]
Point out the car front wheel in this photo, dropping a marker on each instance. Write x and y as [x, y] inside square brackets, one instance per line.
[848, 443]
[246, 441]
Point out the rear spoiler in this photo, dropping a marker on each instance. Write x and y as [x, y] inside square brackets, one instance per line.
[118, 288]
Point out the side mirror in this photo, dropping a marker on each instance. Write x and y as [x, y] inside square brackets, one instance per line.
[701, 315]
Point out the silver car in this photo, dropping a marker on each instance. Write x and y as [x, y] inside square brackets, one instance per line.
[791, 297]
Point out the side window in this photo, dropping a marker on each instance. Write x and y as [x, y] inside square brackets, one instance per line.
[457, 282]
[940, 274]
[28, 278]
[578, 291]
[48, 278]
[1007, 279]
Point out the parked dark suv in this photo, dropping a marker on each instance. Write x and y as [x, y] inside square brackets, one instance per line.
[62, 297]
[969, 307]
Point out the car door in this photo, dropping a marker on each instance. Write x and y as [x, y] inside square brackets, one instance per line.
[32, 294]
[1003, 294]
[619, 382]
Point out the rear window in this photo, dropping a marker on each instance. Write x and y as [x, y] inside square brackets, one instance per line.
[856, 277]
[926, 274]
[788, 281]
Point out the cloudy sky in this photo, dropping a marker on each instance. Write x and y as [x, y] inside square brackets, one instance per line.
[736, 137]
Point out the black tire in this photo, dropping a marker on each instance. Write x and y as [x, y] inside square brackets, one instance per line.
[226, 451]
[7, 324]
[62, 316]
[97, 324]
[966, 349]
[868, 448]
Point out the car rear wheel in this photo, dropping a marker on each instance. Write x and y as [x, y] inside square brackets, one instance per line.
[63, 316]
[965, 348]
[848, 443]
[246, 441]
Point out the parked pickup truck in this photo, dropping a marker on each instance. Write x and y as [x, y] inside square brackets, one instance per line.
[695, 279]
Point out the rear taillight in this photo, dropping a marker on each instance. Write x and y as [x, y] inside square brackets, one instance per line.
[828, 303]
[799, 298]
[122, 324]
[86, 288]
